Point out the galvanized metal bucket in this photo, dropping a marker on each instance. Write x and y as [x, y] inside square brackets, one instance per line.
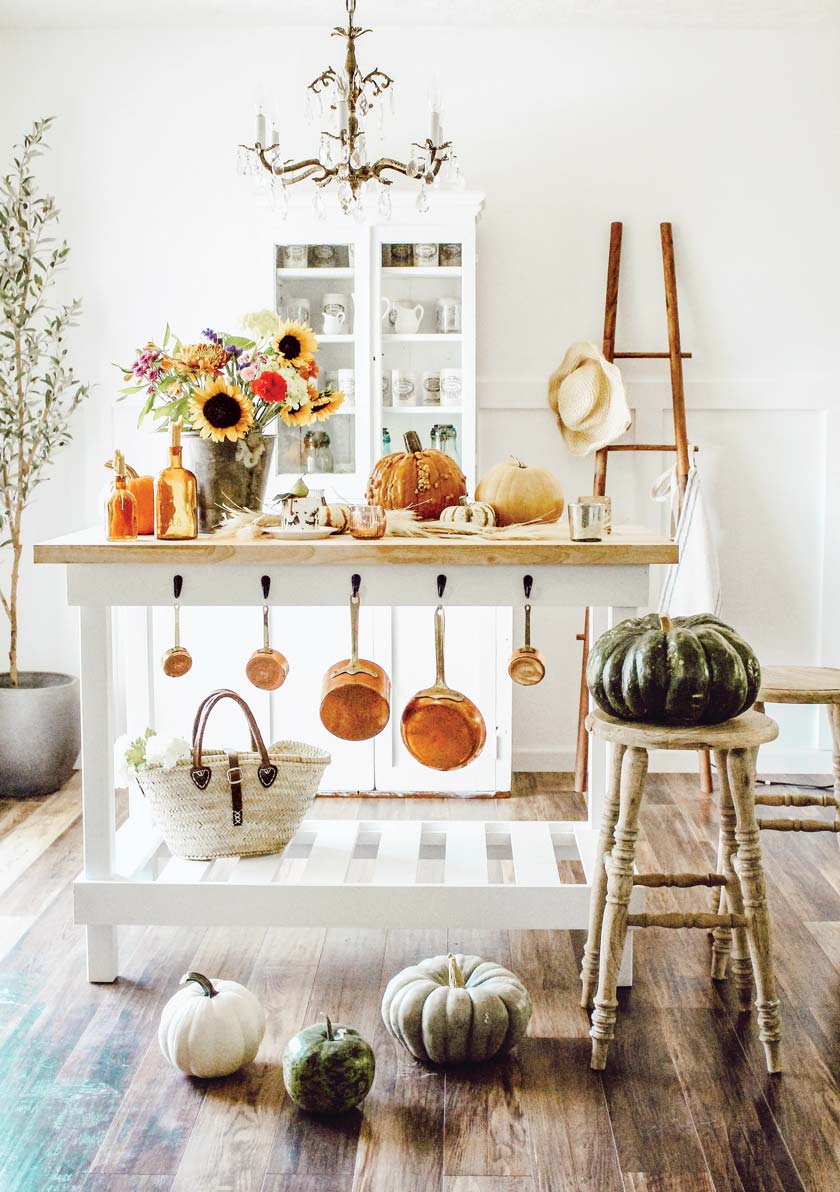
[228, 474]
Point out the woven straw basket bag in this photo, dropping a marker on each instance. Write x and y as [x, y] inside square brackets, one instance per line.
[233, 804]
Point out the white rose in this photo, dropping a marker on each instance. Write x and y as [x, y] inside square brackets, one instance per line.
[166, 751]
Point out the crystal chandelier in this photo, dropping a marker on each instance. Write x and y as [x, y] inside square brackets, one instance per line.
[344, 99]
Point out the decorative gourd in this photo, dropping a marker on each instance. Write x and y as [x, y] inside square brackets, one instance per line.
[424, 481]
[337, 516]
[211, 1028]
[328, 1068]
[476, 513]
[456, 1009]
[521, 494]
[692, 670]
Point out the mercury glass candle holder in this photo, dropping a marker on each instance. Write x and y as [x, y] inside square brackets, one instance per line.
[367, 521]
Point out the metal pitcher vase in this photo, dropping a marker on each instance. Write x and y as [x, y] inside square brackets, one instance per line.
[228, 474]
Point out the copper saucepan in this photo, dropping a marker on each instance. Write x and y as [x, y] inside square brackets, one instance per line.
[442, 728]
[527, 665]
[266, 668]
[356, 694]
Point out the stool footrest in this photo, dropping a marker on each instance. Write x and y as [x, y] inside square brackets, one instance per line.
[681, 880]
[702, 919]
[798, 825]
[795, 801]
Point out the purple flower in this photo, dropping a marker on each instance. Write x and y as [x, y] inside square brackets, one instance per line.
[234, 351]
[208, 333]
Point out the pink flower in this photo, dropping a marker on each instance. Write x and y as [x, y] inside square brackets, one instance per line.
[249, 373]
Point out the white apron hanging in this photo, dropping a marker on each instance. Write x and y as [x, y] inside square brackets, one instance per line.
[693, 584]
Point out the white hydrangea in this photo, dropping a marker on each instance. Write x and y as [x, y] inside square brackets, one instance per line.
[261, 324]
[166, 751]
[297, 392]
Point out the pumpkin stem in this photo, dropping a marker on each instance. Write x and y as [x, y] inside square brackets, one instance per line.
[517, 462]
[328, 1021]
[665, 622]
[456, 977]
[205, 983]
[412, 442]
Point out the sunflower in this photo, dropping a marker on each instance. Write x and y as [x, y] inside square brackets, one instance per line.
[327, 403]
[221, 411]
[295, 343]
[302, 416]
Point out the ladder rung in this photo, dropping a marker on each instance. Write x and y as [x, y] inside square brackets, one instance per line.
[798, 825]
[702, 919]
[648, 355]
[680, 880]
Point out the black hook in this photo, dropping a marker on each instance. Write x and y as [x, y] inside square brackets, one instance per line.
[527, 584]
[177, 585]
[441, 585]
[266, 586]
[356, 581]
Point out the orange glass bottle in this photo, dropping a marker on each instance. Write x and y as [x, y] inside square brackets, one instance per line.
[121, 507]
[176, 513]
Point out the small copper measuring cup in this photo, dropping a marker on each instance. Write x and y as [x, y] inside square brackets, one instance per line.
[177, 660]
[266, 668]
[527, 665]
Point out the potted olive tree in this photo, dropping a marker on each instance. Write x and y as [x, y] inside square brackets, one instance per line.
[39, 710]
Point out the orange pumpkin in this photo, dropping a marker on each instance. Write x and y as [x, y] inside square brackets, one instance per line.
[520, 494]
[425, 481]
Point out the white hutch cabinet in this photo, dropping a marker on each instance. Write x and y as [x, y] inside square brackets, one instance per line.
[357, 265]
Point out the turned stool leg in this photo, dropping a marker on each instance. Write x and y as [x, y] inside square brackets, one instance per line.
[834, 725]
[733, 899]
[619, 867]
[606, 840]
[747, 863]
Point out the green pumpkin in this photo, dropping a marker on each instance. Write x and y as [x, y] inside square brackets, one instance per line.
[328, 1068]
[692, 670]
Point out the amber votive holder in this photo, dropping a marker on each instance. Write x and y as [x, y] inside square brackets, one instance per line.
[367, 521]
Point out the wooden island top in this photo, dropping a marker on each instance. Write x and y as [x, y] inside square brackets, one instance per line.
[626, 546]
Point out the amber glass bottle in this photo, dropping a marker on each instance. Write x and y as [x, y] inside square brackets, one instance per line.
[175, 496]
[121, 507]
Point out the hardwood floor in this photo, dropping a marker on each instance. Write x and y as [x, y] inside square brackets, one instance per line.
[685, 1104]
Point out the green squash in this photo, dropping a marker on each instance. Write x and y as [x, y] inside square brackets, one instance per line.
[328, 1068]
[692, 670]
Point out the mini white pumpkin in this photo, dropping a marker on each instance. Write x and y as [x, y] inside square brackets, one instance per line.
[456, 1009]
[477, 513]
[211, 1028]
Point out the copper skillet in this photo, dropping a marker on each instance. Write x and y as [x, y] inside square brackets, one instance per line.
[356, 694]
[442, 728]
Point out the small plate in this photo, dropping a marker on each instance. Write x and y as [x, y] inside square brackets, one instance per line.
[300, 533]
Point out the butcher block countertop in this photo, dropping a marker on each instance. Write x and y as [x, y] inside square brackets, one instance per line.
[626, 546]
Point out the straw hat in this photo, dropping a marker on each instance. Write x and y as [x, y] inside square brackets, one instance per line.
[587, 395]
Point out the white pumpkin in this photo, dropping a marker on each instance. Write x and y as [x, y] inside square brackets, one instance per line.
[456, 1009]
[477, 513]
[211, 1028]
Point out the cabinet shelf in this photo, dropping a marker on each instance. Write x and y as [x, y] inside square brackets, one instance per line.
[335, 339]
[424, 337]
[311, 274]
[421, 410]
[422, 271]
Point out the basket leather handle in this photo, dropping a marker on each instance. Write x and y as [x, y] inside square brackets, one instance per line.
[207, 708]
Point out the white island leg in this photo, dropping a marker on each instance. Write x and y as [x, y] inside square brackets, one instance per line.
[98, 799]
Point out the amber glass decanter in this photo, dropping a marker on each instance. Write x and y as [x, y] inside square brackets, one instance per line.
[175, 497]
[121, 507]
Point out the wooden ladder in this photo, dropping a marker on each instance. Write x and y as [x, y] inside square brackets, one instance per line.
[675, 355]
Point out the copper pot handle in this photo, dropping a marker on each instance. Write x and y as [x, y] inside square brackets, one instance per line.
[266, 638]
[527, 627]
[440, 678]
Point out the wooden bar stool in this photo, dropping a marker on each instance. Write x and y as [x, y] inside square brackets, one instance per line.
[744, 929]
[804, 685]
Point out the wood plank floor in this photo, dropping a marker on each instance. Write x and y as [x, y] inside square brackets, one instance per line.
[685, 1105]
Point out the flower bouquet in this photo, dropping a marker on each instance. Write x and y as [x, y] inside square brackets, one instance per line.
[228, 390]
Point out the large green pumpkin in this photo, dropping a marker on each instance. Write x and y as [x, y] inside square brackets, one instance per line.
[692, 670]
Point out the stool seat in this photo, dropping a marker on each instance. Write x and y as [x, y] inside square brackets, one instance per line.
[747, 731]
[800, 685]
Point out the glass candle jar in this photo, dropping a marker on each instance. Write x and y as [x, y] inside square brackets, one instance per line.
[367, 521]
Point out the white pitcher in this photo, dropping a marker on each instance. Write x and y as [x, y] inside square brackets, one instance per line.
[403, 317]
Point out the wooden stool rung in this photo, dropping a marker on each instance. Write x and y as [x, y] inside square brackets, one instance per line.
[798, 825]
[795, 800]
[682, 881]
[702, 919]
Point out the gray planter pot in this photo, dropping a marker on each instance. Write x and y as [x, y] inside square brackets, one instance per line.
[228, 474]
[39, 733]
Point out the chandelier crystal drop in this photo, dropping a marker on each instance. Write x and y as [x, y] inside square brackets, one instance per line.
[342, 98]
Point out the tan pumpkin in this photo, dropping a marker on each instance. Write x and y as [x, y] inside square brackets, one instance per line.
[521, 494]
[425, 481]
[476, 513]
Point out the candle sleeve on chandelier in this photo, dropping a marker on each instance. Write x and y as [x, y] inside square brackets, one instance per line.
[261, 128]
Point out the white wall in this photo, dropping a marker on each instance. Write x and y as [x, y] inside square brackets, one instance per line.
[729, 134]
